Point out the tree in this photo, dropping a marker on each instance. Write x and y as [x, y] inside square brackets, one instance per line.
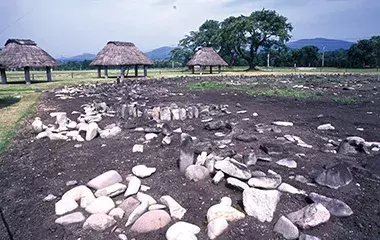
[307, 56]
[365, 53]
[261, 29]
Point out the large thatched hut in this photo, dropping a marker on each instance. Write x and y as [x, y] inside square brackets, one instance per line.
[123, 55]
[24, 53]
[206, 57]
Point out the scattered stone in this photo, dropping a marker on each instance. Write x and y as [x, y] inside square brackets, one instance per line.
[122, 236]
[117, 213]
[101, 205]
[326, 127]
[196, 173]
[140, 210]
[241, 112]
[300, 178]
[165, 114]
[156, 207]
[186, 152]
[284, 187]
[129, 205]
[111, 191]
[151, 221]
[150, 136]
[178, 130]
[246, 137]
[110, 133]
[133, 186]
[99, 222]
[166, 140]
[65, 205]
[142, 197]
[143, 171]
[255, 114]
[71, 218]
[81, 193]
[250, 159]
[49, 198]
[166, 129]
[104, 180]
[225, 210]
[218, 177]
[310, 216]
[138, 148]
[261, 204]
[307, 237]
[234, 169]
[176, 210]
[71, 183]
[335, 206]
[216, 227]
[92, 131]
[283, 124]
[217, 125]
[237, 183]
[175, 114]
[335, 177]
[37, 125]
[271, 148]
[287, 163]
[286, 228]
[258, 174]
[266, 182]
[181, 230]
[264, 158]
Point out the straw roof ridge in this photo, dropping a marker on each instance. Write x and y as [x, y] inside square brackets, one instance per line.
[117, 53]
[20, 53]
[206, 57]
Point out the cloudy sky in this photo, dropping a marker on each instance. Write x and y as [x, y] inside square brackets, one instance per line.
[72, 27]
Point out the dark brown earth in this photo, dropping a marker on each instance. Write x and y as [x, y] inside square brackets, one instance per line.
[31, 169]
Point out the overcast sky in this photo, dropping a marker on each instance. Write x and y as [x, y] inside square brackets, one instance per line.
[72, 27]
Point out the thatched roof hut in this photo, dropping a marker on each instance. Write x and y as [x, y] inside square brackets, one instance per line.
[24, 53]
[122, 54]
[206, 57]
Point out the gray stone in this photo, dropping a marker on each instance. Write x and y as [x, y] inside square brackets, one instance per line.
[196, 173]
[110, 133]
[217, 125]
[140, 210]
[310, 216]
[175, 114]
[335, 177]
[261, 204]
[287, 163]
[101, 205]
[165, 114]
[133, 186]
[216, 227]
[284, 187]
[151, 221]
[308, 237]
[335, 206]
[176, 210]
[142, 197]
[326, 127]
[150, 136]
[286, 228]
[271, 148]
[182, 114]
[71, 218]
[218, 177]
[99, 222]
[37, 125]
[64, 206]
[156, 207]
[111, 191]
[166, 140]
[250, 159]
[92, 131]
[104, 180]
[186, 152]
[129, 205]
[49, 198]
[237, 183]
[143, 171]
[246, 137]
[167, 129]
[266, 182]
[117, 213]
[138, 148]
[283, 124]
[233, 168]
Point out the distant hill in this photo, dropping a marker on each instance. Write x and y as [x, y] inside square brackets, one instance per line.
[160, 53]
[330, 44]
[78, 58]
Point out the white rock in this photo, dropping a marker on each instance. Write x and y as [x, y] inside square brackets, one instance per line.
[143, 171]
[156, 207]
[284, 124]
[175, 114]
[140, 210]
[138, 148]
[266, 182]
[218, 177]
[284, 187]
[133, 186]
[92, 131]
[287, 163]
[310, 216]
[122, 236]
[42, 135]
[49, 198]
[81, 193]
[176, 210]
[178, 130]
[286, 228]
[255, 114]
[237, 183]
[174, 232]
[101, 205]
[234, 169]
[64, 206]
[201, 159]
[56, 136]
[196, 173]
[99, 222]
[142, 197]
[111, 191]
[37, 125]
[261, 204]
[71, 218]
[104, 180]
[150, 136]
[224, 209]
[166, 140]
[216, 227]
[326, 127]
[110, 133]
[117, 213]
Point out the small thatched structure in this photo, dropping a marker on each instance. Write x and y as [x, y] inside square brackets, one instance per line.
[206, 57]
[121, 54]
[21, 53]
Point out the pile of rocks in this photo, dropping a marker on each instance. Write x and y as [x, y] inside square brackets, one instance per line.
[69, 130]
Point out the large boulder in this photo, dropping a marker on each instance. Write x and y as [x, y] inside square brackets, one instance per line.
[261, 204]
[234, 169]
[196, 173]
[104, 180]
[286, 228]
[310, 216]
[335, 177]
[335, 206]
[151, 221]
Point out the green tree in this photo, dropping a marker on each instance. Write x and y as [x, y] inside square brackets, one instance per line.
[307, 56]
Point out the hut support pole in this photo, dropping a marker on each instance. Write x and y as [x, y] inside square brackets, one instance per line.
[27, 75]
[3, 76]
[136, 70]
[145, 71]
[192, 69]
[210, 69]
[106, 71]
[99, 72]
[219, 69]
[48, 74]
[122, 71]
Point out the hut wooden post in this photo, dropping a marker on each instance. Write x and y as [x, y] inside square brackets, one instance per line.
[192, 69]
[3, 76]
[210, 69]
[145, 70]
[136, 70]
[27, 75]
[106, 71]
[99, 72]
[122, 71]
[48, 74]
[219, 69]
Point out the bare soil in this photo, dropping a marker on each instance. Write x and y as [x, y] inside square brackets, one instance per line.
[31, 169]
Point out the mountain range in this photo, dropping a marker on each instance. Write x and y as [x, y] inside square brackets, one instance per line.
[164, 52]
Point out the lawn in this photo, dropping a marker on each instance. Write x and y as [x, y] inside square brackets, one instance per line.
[18, 100]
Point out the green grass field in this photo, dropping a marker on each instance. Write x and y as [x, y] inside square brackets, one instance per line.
[18, 100]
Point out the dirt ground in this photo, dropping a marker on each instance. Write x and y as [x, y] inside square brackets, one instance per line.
[31, 169]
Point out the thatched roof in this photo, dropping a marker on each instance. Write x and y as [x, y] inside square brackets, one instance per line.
[206, 57]
[19, 53]
[120, 54]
